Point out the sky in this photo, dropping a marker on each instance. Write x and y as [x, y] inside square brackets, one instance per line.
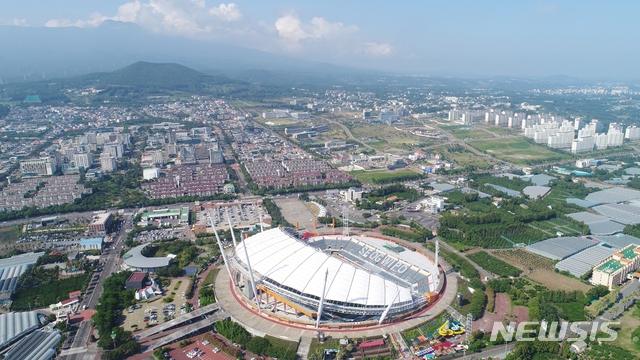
[586, 39]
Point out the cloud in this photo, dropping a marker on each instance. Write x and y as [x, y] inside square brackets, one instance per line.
[171, 16]
[229, 12]
[292, 30]
[14, 22]
[377, 49]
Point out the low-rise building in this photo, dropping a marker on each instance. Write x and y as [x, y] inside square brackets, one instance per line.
[91, 244]
[614, 270]
[100, 223]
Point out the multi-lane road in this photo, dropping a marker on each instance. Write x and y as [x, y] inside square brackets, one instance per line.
[110, 263]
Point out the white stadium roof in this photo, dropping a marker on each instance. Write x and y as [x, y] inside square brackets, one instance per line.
[280, 257]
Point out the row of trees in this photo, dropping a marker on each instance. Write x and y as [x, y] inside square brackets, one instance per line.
[274, 211]
[255, 344]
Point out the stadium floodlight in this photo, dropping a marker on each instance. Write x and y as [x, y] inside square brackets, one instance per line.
[224, 255]
[233, 235]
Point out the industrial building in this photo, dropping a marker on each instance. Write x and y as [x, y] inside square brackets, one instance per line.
[91, 244]
[12, 268]
[181, 214]
[15, 325]
[42, 166]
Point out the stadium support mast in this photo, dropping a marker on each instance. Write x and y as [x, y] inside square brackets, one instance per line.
[224, 255]
[324, 288]
[253, 281]
[386, 311]
[437, 269]
[233, 235]
[260, 215]
[345, 221]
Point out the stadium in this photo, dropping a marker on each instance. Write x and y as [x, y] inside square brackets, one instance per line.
[364, 278]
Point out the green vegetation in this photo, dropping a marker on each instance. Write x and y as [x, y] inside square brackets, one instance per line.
[415, 233]
[9, 234]
[4, 111]
[519, 150]
[385, 176]
[114, 298]
[41, 288]
[494, 265]
[459, 264]
[185, 253]
[269, 346]
[542, 303]
[478, 302]
[253, 187]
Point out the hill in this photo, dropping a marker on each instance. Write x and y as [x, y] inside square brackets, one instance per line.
[160, 76]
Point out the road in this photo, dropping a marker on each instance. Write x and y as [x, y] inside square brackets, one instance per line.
[348, 132]
[111, 265]
[494, 352]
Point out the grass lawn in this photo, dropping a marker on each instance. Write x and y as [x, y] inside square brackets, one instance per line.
[517, 150]
[451, 127]
[211, 277]
[501, 131]
[9, 234]
[318, 348]
[470, 134]
[291, 346]
[368, 177]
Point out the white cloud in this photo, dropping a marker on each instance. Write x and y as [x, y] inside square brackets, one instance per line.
[229, 12]
[292, 30]
[377, 49]
[171, 16]
[14, 22]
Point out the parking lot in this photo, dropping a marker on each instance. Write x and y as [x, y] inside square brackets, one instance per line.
[155, 309]
[159, 234]
[242, 215]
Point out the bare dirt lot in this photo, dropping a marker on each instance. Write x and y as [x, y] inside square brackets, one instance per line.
[540, 269]
[502, 314]
[294, 210]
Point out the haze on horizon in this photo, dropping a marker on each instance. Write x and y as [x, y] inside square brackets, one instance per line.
[584, 39]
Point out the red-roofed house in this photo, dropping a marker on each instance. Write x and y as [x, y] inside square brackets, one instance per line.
[75, 294]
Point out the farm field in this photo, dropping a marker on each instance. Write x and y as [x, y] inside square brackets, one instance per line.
[464, 158]
[370, 177]
[552, 226]
[540, 269]
[388, 137]
[245, 103]
[517, 150]
[628, 323]
[494, 265]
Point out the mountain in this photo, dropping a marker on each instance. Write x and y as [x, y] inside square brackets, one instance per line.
[39, 53]
[167, 76]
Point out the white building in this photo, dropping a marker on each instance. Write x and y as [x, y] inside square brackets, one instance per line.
[157, 157]
[582, 144]
[84, 160]
[432, 204]
[42, 166]
[150, 173]
[108, 163]
[300, 115]
[600, 141]
[615, 137]
[352, 194]
[632, 133]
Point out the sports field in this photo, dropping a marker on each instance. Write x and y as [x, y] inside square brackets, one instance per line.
[516, 150]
